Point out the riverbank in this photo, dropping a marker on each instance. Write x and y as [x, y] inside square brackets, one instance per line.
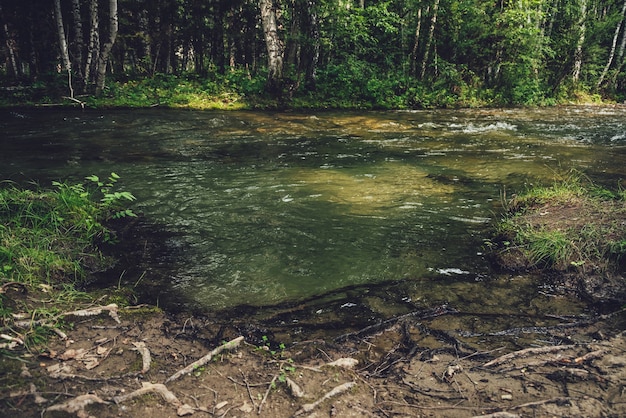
[239, 91]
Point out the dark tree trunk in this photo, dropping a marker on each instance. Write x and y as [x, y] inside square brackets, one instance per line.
[78, 45]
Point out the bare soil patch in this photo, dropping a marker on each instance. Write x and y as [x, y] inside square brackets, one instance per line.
[406, 368]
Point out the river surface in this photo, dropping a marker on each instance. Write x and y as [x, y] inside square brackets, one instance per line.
[378, 213]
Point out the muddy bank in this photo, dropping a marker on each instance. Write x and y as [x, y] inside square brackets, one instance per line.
[406, 366]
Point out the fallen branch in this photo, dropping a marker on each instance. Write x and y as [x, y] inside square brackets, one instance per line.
[337, 390]
[96, 310]
[81, 103]
[527, 352]
[204, 360]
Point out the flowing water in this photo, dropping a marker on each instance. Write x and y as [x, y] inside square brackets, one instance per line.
[384, 212]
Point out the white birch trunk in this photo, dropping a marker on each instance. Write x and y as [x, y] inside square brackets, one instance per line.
[275, 46]
[107, 47]
[65, 56]
[93, 51]
[613, 46]
[429, 40]
[578, 54]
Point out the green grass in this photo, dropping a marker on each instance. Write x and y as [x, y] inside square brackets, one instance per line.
[571, 225]
[49, 241]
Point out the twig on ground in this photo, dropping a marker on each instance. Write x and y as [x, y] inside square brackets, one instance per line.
[245, 380]
[267, 392]
[96, 310]
[204, 360]
[337, 390]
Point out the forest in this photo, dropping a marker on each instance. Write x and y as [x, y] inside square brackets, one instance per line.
[314, 53]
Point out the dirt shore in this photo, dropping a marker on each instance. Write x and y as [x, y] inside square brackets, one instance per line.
[402, 368]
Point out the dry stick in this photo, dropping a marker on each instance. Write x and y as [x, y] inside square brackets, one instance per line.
[245, 380]
[204, 360]
[527, 352]
[267, 392]
[337, 390]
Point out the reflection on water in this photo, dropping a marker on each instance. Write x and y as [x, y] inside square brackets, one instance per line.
[260, 208]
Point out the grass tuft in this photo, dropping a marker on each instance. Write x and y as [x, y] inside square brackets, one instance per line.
[571, 225]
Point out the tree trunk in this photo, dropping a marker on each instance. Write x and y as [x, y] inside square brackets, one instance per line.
[10, 43]
[78, 45]
[218, 52]
[275, 47]
[429, 40]
[313, 46]
[613, 46]
[106, 48]
[146, 47]
[578, 54]
[416, 42]
[67, 64]
[620, 59]
[93, 50]
[293, 43]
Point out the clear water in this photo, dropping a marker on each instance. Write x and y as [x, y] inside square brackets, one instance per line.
[260, 208]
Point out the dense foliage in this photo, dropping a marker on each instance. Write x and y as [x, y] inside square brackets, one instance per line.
[322, 53]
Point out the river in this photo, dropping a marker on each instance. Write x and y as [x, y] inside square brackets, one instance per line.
[352, 214]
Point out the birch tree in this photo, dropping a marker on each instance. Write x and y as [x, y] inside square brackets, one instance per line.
[93, 49]
[78, 44]
[429, 39]
[578, 52]
[67, 64]
[618, 29]
[274, 44]
[106, 48]
[10, 44]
